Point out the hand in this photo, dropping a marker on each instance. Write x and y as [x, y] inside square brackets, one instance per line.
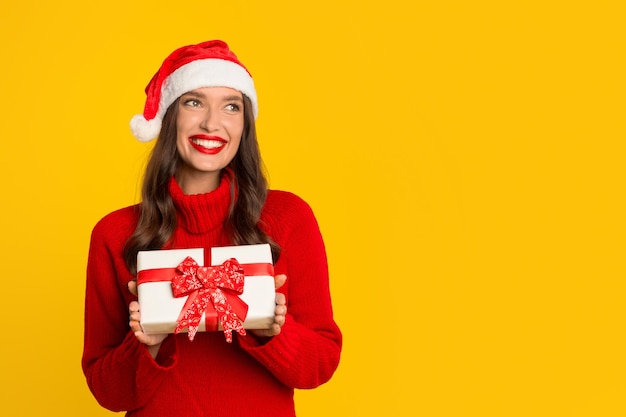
[279, 312]
[153, 341]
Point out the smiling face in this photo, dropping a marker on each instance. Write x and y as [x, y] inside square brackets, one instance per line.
[209, 126]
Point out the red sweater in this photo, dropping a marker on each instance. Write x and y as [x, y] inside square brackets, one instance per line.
[207, 376]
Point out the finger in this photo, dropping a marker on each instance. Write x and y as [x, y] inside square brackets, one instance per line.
[135, 327]
[143, 338]
[275, 329]
[133, 306]
[281, 299]
[280, 310]
[139, 334]
[132, 287]
[279, 280]
[272, 331]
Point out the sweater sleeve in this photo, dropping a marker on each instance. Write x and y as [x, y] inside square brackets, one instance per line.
[306, 353]
[120, 372]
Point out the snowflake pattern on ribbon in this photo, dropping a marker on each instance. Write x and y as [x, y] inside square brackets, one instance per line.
[210, 288]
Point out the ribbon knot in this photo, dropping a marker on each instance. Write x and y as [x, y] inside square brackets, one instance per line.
[212, 290]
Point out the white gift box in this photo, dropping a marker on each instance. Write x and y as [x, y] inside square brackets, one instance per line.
[160, 309]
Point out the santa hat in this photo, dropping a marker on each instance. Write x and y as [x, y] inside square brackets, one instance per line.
[207, 64]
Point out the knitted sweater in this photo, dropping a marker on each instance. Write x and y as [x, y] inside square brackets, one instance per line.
[208, 376]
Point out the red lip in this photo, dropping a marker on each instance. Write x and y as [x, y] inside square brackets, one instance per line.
[204, 150]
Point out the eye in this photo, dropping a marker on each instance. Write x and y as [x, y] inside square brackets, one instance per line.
[234, 107]
[192, 102]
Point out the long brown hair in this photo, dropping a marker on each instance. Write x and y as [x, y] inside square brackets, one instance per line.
[157, 216]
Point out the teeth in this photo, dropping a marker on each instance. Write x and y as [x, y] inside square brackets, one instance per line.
[208, 143]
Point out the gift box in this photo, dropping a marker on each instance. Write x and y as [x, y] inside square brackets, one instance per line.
[177, 293]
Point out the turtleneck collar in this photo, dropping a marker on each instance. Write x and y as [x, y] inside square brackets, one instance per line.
[200, 213]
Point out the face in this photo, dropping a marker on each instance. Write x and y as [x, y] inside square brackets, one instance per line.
[209, 126]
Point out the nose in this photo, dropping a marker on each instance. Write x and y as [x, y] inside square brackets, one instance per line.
[210, 121]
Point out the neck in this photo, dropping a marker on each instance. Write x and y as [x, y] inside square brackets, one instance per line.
[196, 182]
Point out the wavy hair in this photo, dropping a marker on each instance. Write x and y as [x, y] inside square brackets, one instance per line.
[157, 214]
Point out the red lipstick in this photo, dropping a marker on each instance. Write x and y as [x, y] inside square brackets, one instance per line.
[209, 145]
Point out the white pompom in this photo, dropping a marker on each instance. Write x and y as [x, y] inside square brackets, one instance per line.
[145, 130]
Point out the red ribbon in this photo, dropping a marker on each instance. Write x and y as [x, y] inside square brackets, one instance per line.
[212, 290]
[209, 287]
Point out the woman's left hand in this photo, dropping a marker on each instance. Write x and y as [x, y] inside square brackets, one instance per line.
[279, 312]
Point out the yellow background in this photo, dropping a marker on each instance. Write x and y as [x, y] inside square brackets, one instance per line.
[465, 161]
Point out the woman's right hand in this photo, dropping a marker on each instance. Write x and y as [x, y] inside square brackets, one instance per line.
[152, 341]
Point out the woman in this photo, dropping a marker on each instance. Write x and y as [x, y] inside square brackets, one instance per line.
[204, 187]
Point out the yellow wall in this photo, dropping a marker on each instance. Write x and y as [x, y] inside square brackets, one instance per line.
[465, 160]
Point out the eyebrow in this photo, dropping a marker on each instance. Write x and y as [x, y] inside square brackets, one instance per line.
[201, 95]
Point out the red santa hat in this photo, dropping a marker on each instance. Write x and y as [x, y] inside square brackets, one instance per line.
[207, 64]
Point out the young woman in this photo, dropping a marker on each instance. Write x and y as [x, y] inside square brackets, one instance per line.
[204, 187]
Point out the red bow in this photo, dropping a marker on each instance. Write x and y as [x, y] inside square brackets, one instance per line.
[212, 290]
